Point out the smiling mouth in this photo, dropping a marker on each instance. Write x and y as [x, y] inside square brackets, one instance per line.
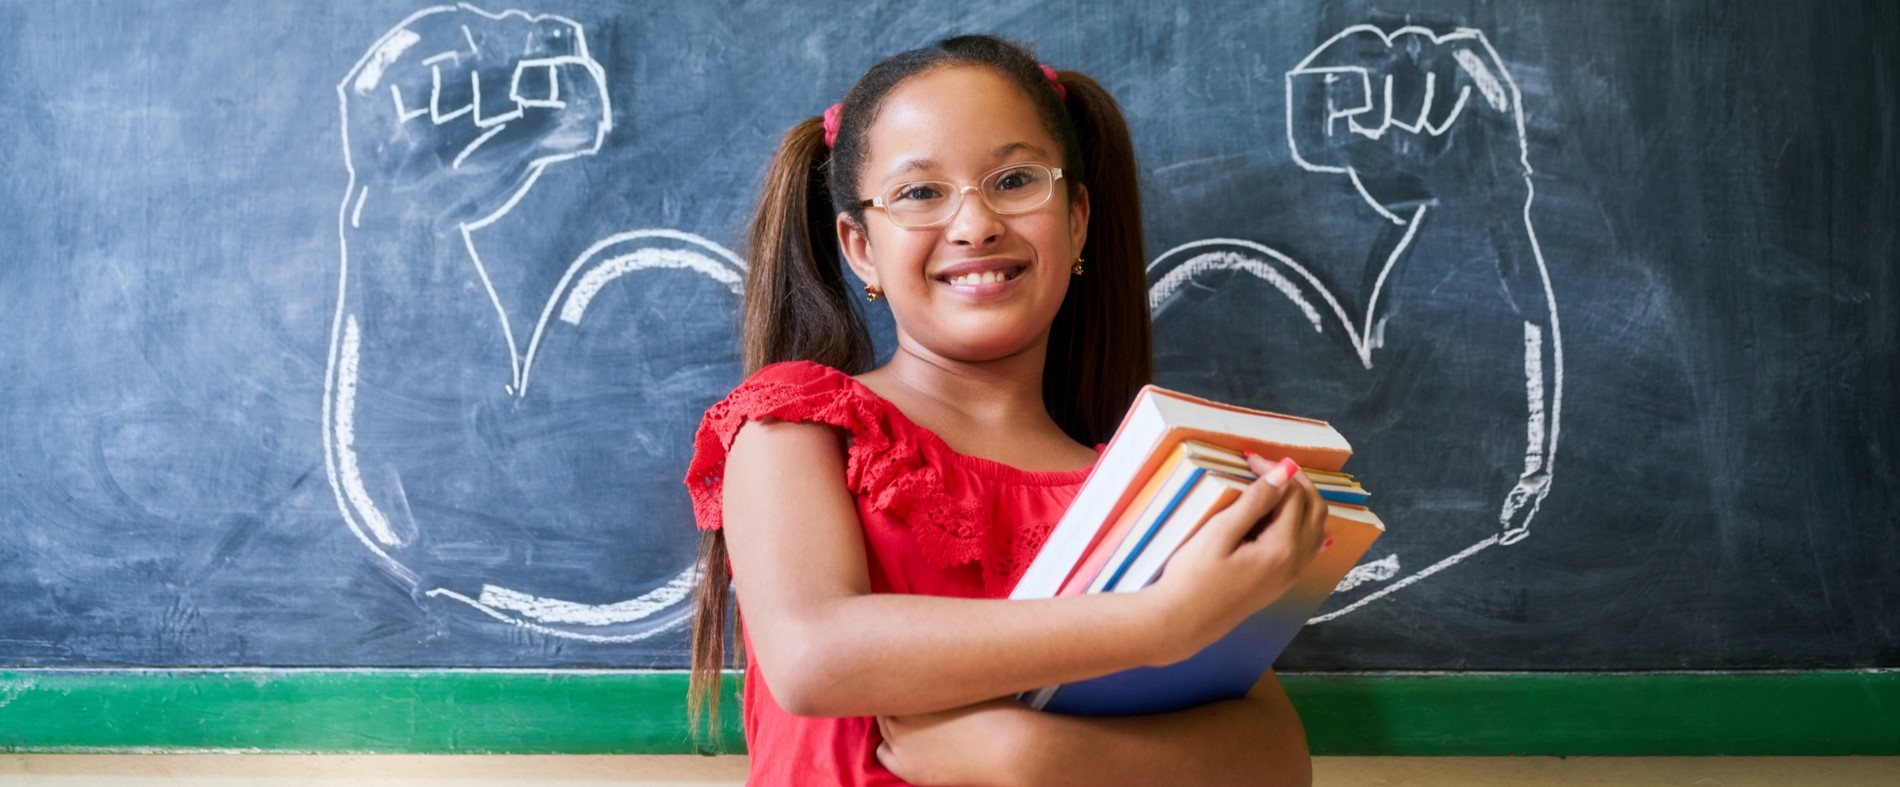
[983, 277]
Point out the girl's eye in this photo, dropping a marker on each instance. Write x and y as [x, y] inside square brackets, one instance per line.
[1016, 180]
[917, 193]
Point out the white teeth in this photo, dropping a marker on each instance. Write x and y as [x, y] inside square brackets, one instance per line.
[987, 277]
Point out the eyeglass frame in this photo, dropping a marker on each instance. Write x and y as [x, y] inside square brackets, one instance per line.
[957, 192]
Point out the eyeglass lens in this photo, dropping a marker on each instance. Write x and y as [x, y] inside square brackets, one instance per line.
[1011, 189]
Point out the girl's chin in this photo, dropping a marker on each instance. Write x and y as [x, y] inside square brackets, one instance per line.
[989, 341]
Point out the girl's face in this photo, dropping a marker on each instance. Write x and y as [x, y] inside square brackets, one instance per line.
[956, 124]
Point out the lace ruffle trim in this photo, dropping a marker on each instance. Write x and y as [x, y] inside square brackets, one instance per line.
[882, 467]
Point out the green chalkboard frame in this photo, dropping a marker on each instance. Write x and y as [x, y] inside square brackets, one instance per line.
[613, 712]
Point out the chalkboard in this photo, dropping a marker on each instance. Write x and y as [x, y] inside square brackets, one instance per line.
[373, 335]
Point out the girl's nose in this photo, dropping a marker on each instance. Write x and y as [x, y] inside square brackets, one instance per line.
[973, 223]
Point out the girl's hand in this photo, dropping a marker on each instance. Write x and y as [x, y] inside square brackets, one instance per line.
[968, 745]
[1242, 559]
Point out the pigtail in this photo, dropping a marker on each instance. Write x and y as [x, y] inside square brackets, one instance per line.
[1101, 346]
[796, 307]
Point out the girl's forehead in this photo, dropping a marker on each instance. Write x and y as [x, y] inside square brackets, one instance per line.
[949, 120]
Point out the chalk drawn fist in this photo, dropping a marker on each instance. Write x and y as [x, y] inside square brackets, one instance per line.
[462, 108]
[1411, 117]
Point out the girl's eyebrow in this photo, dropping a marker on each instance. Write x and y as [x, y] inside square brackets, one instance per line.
[1019, 147]
[926, 165]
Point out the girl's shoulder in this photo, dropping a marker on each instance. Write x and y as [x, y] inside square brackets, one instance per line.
[797, 392]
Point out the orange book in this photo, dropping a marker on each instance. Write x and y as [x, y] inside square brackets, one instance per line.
[1111, 537]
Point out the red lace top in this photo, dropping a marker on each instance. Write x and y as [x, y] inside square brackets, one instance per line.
[935, 521]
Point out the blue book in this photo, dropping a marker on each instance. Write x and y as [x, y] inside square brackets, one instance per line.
[1334, 494]
[1231, 666]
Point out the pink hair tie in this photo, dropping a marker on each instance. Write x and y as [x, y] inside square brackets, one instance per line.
[1062, 93]
[832, 115]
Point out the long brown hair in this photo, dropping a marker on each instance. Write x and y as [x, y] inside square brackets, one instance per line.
[798, 305]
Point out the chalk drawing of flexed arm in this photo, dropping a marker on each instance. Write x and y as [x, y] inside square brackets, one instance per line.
[1427, 130]
[449, 121]
[1423, 123]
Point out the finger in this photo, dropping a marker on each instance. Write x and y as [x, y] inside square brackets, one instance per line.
[567, 97]
[1325, 110]
[1282, 520]
[1285, 526]
[1313, 526]
[1260, 465]
[1239, 520]
[1422, 99]
[537, 82]
[1451, 96]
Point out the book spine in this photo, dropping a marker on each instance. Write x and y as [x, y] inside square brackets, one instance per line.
[1145, 531]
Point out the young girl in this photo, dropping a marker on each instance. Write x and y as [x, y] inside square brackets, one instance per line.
[873, 525]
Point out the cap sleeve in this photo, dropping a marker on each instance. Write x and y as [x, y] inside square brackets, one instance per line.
[882, 470]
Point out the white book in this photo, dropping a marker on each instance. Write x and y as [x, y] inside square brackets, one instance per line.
[1212, 493]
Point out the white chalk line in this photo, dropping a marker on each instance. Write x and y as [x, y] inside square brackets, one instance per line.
[501, 312]
[733, 277]
[552, 610]
[382, 53]
[1376, 571]
[1360, 186]
[550, 67]
[1378, 285]
[346, 440]
[479, 141]
[1163, 289]
[1534, 391]
[678, 619]
[1406, 582]
[1360, 337]
[475, 84]
[403, 113]
[1481, 75]
[644, 259]
[435, 100]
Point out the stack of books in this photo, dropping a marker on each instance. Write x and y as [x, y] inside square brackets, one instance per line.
[1174, 463]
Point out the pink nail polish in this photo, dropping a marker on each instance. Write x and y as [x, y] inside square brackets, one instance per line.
[1281, 472]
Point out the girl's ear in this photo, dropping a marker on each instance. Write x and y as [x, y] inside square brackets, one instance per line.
[1079, 218]
[856, 245]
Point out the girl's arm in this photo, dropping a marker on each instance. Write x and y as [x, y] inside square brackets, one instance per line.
[827, 646]
[1256, 740]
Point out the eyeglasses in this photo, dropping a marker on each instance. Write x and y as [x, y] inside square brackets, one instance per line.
[922, 204]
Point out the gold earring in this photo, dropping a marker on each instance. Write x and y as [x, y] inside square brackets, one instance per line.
[872, 293]
[1078, 266]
